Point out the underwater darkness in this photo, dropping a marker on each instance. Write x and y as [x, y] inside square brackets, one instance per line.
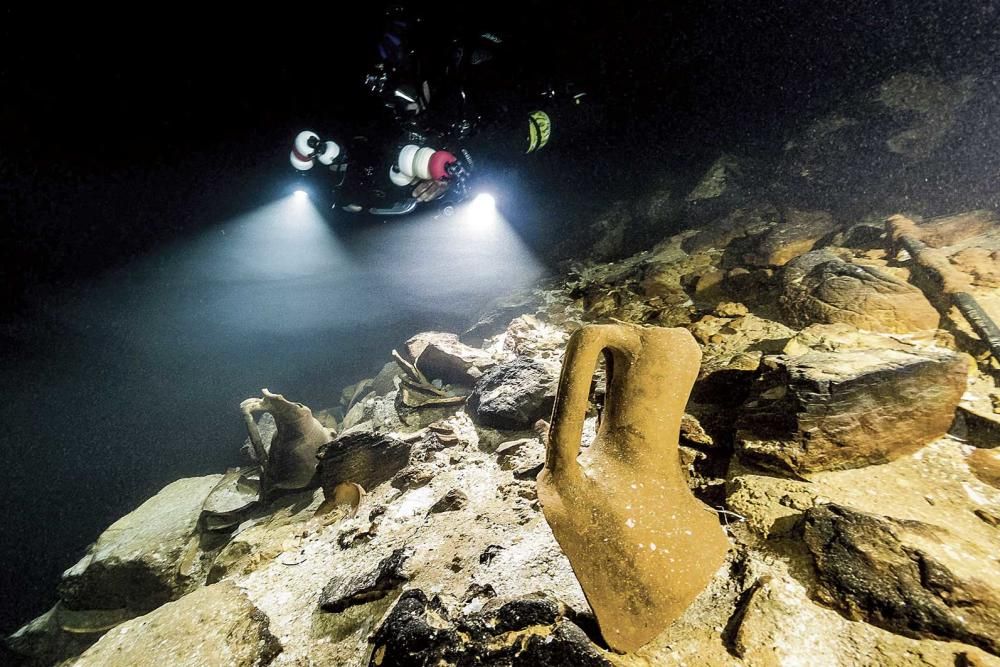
[156, 271]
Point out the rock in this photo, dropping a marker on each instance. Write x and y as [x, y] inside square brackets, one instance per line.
[978, 427]
[146, 558]
[981, 264]
[730, 309]
[385, 381]
[771, 506]
[452, 501]
[952, 229]
[59, 634]
[412, 477]
[828, 411]
[362, 457]
[514, 395]
[737, 223]
[232, 498]
[387, 576]
[213, 626]
[776, 624]
[720, 177]
[442, 356]
[985, 464]
[380, 411]
[819, 287]
[530, 630]
[798, 233]
[929, 104]
[863, 236]
[897, 575]
[499, 314]
[521, 456]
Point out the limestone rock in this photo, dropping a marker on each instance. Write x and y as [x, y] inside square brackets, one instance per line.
[827, 411]
[442, 356]
[215, 626]
[740, 222]
[362, 457]
[985, 464]
[59, 635]
[798, 233]
[720, 177]
[899, 575]
[147, 557]
[380, 411]
[513, 395]
[388, 575]
[531, 630]
[452, 501]
[819, 287]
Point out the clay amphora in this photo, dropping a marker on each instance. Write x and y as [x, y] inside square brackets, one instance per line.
[641, 545]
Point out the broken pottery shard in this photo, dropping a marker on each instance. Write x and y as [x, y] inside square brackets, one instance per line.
[641, 545]
[346, 495]
[847, 409]
[290, 462]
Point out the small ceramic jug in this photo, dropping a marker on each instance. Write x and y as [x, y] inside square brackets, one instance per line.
[641, 545]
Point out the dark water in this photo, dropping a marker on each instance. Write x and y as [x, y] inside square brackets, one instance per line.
[126, 382]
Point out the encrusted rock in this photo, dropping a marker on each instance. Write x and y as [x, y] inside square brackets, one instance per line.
[514, 395]
[379, 410]
[146, 558]
[442, 356]
[985, 464]
[215, 626]
[820, 287]
[531, 630]
[452, 501]
[826, 411]
[905, 576]
[362, 457]
[798, 233]
[343, 592]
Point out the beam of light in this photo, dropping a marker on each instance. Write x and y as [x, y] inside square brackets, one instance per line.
[482, 211]
[451, 266]
[301, 195]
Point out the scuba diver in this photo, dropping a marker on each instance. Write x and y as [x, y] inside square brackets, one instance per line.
[444, 112]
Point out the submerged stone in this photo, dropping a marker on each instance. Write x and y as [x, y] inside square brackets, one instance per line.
[828, 411]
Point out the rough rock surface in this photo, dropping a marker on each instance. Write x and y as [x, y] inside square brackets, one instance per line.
[820, 287]
[147, 557]
[362, 457]
[442, 356]
[530, 630]
[216, 626]
[896, 575]
[798, 233]
[823, 411]
[513, 395]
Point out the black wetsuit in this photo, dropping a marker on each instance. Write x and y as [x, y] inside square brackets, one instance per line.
[457, 94]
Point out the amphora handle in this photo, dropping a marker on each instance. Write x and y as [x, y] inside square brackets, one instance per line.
[582, 353]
